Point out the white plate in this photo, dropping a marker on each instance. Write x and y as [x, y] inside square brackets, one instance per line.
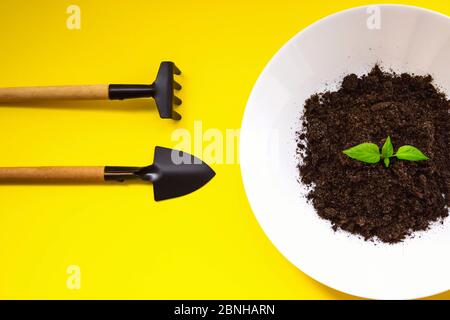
[409, 39]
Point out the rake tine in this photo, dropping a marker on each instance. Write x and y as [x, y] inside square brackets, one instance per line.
[177, 101]
[176, 85]
[176, 70]
[176, 115]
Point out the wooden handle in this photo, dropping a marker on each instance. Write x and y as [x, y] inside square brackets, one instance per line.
[94, 92]
[52, 174]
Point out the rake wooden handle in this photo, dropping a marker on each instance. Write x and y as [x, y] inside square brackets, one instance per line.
[93, 92]
[52, 174]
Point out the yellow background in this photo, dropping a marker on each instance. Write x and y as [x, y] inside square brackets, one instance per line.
[206, 245]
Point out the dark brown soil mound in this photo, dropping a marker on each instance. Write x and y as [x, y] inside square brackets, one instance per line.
[370, 199]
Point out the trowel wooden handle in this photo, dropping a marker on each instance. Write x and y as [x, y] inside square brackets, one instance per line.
[52, 174]
[94, 92]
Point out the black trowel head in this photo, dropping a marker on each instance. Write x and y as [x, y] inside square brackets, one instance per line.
[176, 173]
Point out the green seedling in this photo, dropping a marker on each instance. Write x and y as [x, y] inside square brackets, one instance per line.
[370, 153]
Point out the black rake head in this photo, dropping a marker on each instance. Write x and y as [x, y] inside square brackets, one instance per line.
[165, 86]
[162, 90]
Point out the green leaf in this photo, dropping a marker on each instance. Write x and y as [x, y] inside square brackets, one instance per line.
[410, 153]
[388, 149]
[387, 161]
[365, 152]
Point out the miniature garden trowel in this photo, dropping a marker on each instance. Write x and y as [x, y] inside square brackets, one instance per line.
[173, 173]
[162, 90]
